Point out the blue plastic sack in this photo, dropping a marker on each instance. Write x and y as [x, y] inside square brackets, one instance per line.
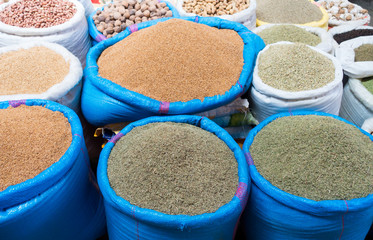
[62, 202]
[127, 221]
[105, 102]
[98, 36]
[274, 214]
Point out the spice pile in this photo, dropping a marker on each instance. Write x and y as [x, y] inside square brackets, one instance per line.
[174, 168]
[117, 16]
[287, 11]
[34, 138]
[341, 37]
[343, 10]
[215, 7]
[364, 53]
[289, 33]
[175, 60]
[368, 84]
[38, 13]
[295, 67]
[31, 71]
[315, 157]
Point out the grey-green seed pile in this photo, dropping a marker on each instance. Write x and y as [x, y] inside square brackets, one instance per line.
[174, 168]
[288, 33]
[364, 53]
[295, 67]
[315, 157]
[287, 11]
[368, 84]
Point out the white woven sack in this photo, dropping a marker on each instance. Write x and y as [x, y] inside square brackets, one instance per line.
[72, 34]
[266, 100]
[88, 6]
[246, 17]
[326, 43]
[345, 28]
[66, 92]
[368, 126]
[346, 55]
[357, 102]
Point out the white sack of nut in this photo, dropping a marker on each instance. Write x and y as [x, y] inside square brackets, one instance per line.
[120, 14]
[344, 12]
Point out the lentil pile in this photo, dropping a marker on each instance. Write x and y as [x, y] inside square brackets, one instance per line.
[368, 84]
[289, 33]
[343, 10]
[215, 7]
[295, 67]
[34, 138]
[315, 157]
[341, 37]
[174, 168]
[31, 71]
[38, 13]
[364, 53]
[287, 11]
[175, 60]
[117, 16]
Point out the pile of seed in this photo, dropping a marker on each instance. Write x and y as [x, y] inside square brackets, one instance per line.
[175, 60]
[38, 13]
[368, 84]
[295, 67]
[287, 11]
[174, 168]
[215, 7]
[315, 157]
[364, 53]
[31, 71]
[33, 139]
[288, 33]
[341, 37]
[343, 10]
[117, 16]
[3, 1]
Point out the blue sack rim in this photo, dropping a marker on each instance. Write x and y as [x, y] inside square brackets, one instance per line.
[234, 207]
[318, 208]
[252, 44]
[30, 188]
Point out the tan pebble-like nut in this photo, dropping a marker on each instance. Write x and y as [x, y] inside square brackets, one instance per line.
[147, 13]
[117, 23]
[104, 33]
[138, 19]
[152, 8]
[168, 14]
[100, 28]
[107, 20]
[117, 29]
[110, 25]
[132, 17]
[132, 12]
[139, 14]
[101, 18]
[350, 6]
[154, 18]
[166, 8]
[144, 7]
[341, 11]
[127, 14]
[122, 19]
[121, 10]
[144, 19]
[96, 21]
[349, 17]
[158, 5]
[137, 6]
[129, 23]
[163, 11]
[124, 3]
[364, 11]
[117, 15]
[132, 2]
[163, 4]
[94, 17]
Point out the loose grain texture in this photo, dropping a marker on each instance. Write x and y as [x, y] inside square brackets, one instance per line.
[289, 33]
[352, 34]
[368, 84]
[174, 168]
[364, 53]
[176, 60]
[33, 139]
[31, 71]
[287, 11]
[295, 67]
[315, 157]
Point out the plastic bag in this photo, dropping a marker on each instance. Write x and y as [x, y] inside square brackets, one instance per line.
[368, 125]
[67, 92]
[62, 202]
[357, 102]
[346, 55]
[88, 6]
[246, 17]
[274, 214]
[104, 102]
[266, 100]
[326, 43]
[127, 221]
[72, 34]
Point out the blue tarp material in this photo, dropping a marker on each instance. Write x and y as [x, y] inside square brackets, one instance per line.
[105, 102]
[274, 214]
[62, 202]
[98, 36]
[127, 221]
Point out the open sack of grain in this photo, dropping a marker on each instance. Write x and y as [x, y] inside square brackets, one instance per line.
[305, 184]
[350, 31]
[168, 66]
[65, 24]
[159, 185]
[294, 76]
[47, 190]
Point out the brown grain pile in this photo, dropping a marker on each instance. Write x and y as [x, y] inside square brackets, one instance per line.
[176, 60]
[31, 71]
[33, 139]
